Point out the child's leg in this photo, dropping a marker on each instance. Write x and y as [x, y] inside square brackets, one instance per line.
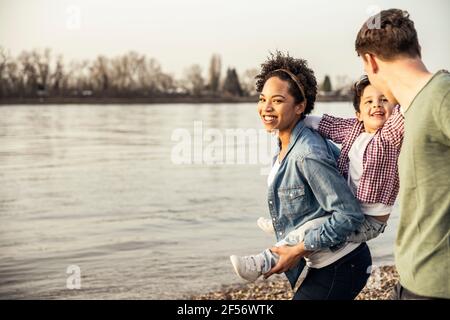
[253, 266]
[296, 236]
[292, 238]
[369, 229]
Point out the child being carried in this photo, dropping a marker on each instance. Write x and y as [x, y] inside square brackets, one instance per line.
[368, 160]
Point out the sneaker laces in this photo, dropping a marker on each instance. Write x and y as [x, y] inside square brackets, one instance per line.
[250, 264]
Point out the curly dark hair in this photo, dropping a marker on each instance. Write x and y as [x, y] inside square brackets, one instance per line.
[299, 67]
[358, 90]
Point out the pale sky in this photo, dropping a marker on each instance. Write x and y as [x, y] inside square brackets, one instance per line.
[179, 33]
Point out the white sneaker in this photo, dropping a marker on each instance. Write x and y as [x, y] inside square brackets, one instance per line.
[248, 267]
[265, 225]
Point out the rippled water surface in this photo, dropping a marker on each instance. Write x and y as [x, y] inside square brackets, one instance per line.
[95, 186]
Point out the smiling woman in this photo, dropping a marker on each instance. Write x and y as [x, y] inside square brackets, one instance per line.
[278, 109]
[281, 106]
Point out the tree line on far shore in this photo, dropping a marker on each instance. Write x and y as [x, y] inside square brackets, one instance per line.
[39, 74]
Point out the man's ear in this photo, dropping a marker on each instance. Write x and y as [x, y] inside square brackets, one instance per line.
[371, 63]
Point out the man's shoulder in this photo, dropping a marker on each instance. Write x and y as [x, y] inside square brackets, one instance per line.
[440, 92]
[435, 92]
[439, 86]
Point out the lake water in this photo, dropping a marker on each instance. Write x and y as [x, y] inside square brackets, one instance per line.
[96, 186]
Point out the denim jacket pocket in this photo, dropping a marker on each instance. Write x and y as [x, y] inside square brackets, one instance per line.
[292, 199]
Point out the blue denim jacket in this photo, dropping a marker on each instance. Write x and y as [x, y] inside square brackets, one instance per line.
[308, 185]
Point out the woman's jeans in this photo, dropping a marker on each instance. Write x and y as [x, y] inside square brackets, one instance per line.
[341, 280]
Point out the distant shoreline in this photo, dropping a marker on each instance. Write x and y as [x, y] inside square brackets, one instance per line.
[145, 100]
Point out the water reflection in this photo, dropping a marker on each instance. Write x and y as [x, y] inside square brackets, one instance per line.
[95, 186]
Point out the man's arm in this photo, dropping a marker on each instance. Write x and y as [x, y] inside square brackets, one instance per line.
[443, 119]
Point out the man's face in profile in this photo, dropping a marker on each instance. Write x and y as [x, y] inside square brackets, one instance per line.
[375, 73]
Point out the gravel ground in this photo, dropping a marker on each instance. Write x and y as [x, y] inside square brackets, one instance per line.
[378, 287]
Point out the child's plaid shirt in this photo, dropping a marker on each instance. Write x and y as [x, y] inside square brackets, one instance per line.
[379, 181]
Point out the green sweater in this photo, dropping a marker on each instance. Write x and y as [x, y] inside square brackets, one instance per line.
[422, 246]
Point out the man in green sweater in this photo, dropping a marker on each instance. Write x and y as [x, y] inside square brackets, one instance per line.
[391, 55]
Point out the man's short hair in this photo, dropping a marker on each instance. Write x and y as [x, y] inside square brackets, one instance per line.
[393, 36]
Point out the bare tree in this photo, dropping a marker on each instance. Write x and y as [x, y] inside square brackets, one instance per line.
[149, 74]
[79, 79]
[57, 77]
[100, 71]
[28, 73]
[193, 80]
[36, 73]
[42, 64]
[215, 67]
[4, 57]
[248, 82]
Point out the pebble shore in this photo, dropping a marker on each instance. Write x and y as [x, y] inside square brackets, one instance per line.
[378, 287]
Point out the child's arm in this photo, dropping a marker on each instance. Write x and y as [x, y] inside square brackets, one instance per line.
[334, 128]
[370, 229]
[393, 129]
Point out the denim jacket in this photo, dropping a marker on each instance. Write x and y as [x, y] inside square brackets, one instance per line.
[307, 186]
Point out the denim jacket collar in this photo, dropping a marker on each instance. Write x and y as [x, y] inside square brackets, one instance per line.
[293, 138]
[296, 133]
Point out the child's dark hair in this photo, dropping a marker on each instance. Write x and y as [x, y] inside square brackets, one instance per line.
[298, 67]
[358, 90]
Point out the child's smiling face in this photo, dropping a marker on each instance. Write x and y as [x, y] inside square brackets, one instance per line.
[374, 109]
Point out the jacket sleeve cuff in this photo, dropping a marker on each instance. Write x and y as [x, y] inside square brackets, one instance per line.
[312, 240]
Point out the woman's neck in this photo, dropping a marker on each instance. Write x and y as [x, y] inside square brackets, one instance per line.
[285, 137]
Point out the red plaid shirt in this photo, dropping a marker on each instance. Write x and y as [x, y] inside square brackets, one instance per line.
[379, 181]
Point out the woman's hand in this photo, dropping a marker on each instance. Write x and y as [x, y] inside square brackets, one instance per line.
[289, 257]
